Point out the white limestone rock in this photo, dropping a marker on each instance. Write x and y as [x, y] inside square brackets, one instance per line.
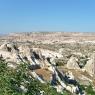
[70, 75]
[90, 65]
[72, 63]
[59, 89]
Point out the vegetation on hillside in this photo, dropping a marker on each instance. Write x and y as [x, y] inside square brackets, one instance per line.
[19, 82]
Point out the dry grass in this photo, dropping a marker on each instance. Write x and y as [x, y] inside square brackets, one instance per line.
[44, 73]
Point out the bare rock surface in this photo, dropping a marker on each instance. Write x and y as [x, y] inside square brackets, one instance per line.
[72, 63]
[90, 65]
[47, 52]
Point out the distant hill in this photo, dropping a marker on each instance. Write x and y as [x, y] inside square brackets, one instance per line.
[51, 37]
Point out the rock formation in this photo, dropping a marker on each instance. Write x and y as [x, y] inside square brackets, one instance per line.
[72, 63]
[90, 65]
[41, 64]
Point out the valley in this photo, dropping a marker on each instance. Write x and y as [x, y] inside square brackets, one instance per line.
[65, 60]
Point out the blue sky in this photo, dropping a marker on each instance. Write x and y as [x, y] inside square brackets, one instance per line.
[47, 15]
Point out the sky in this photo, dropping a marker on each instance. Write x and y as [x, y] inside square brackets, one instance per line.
[47, 15]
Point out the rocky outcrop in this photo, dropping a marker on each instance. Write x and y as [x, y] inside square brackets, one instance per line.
[42, 64]
[90, 65]
[34, 56]
[72, 63]
[10, 47]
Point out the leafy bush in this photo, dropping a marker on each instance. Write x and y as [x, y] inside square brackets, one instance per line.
[90, 90]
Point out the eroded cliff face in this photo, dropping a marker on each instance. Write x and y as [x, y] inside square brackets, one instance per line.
[65, 60]
[73, 63]
[43, 66]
